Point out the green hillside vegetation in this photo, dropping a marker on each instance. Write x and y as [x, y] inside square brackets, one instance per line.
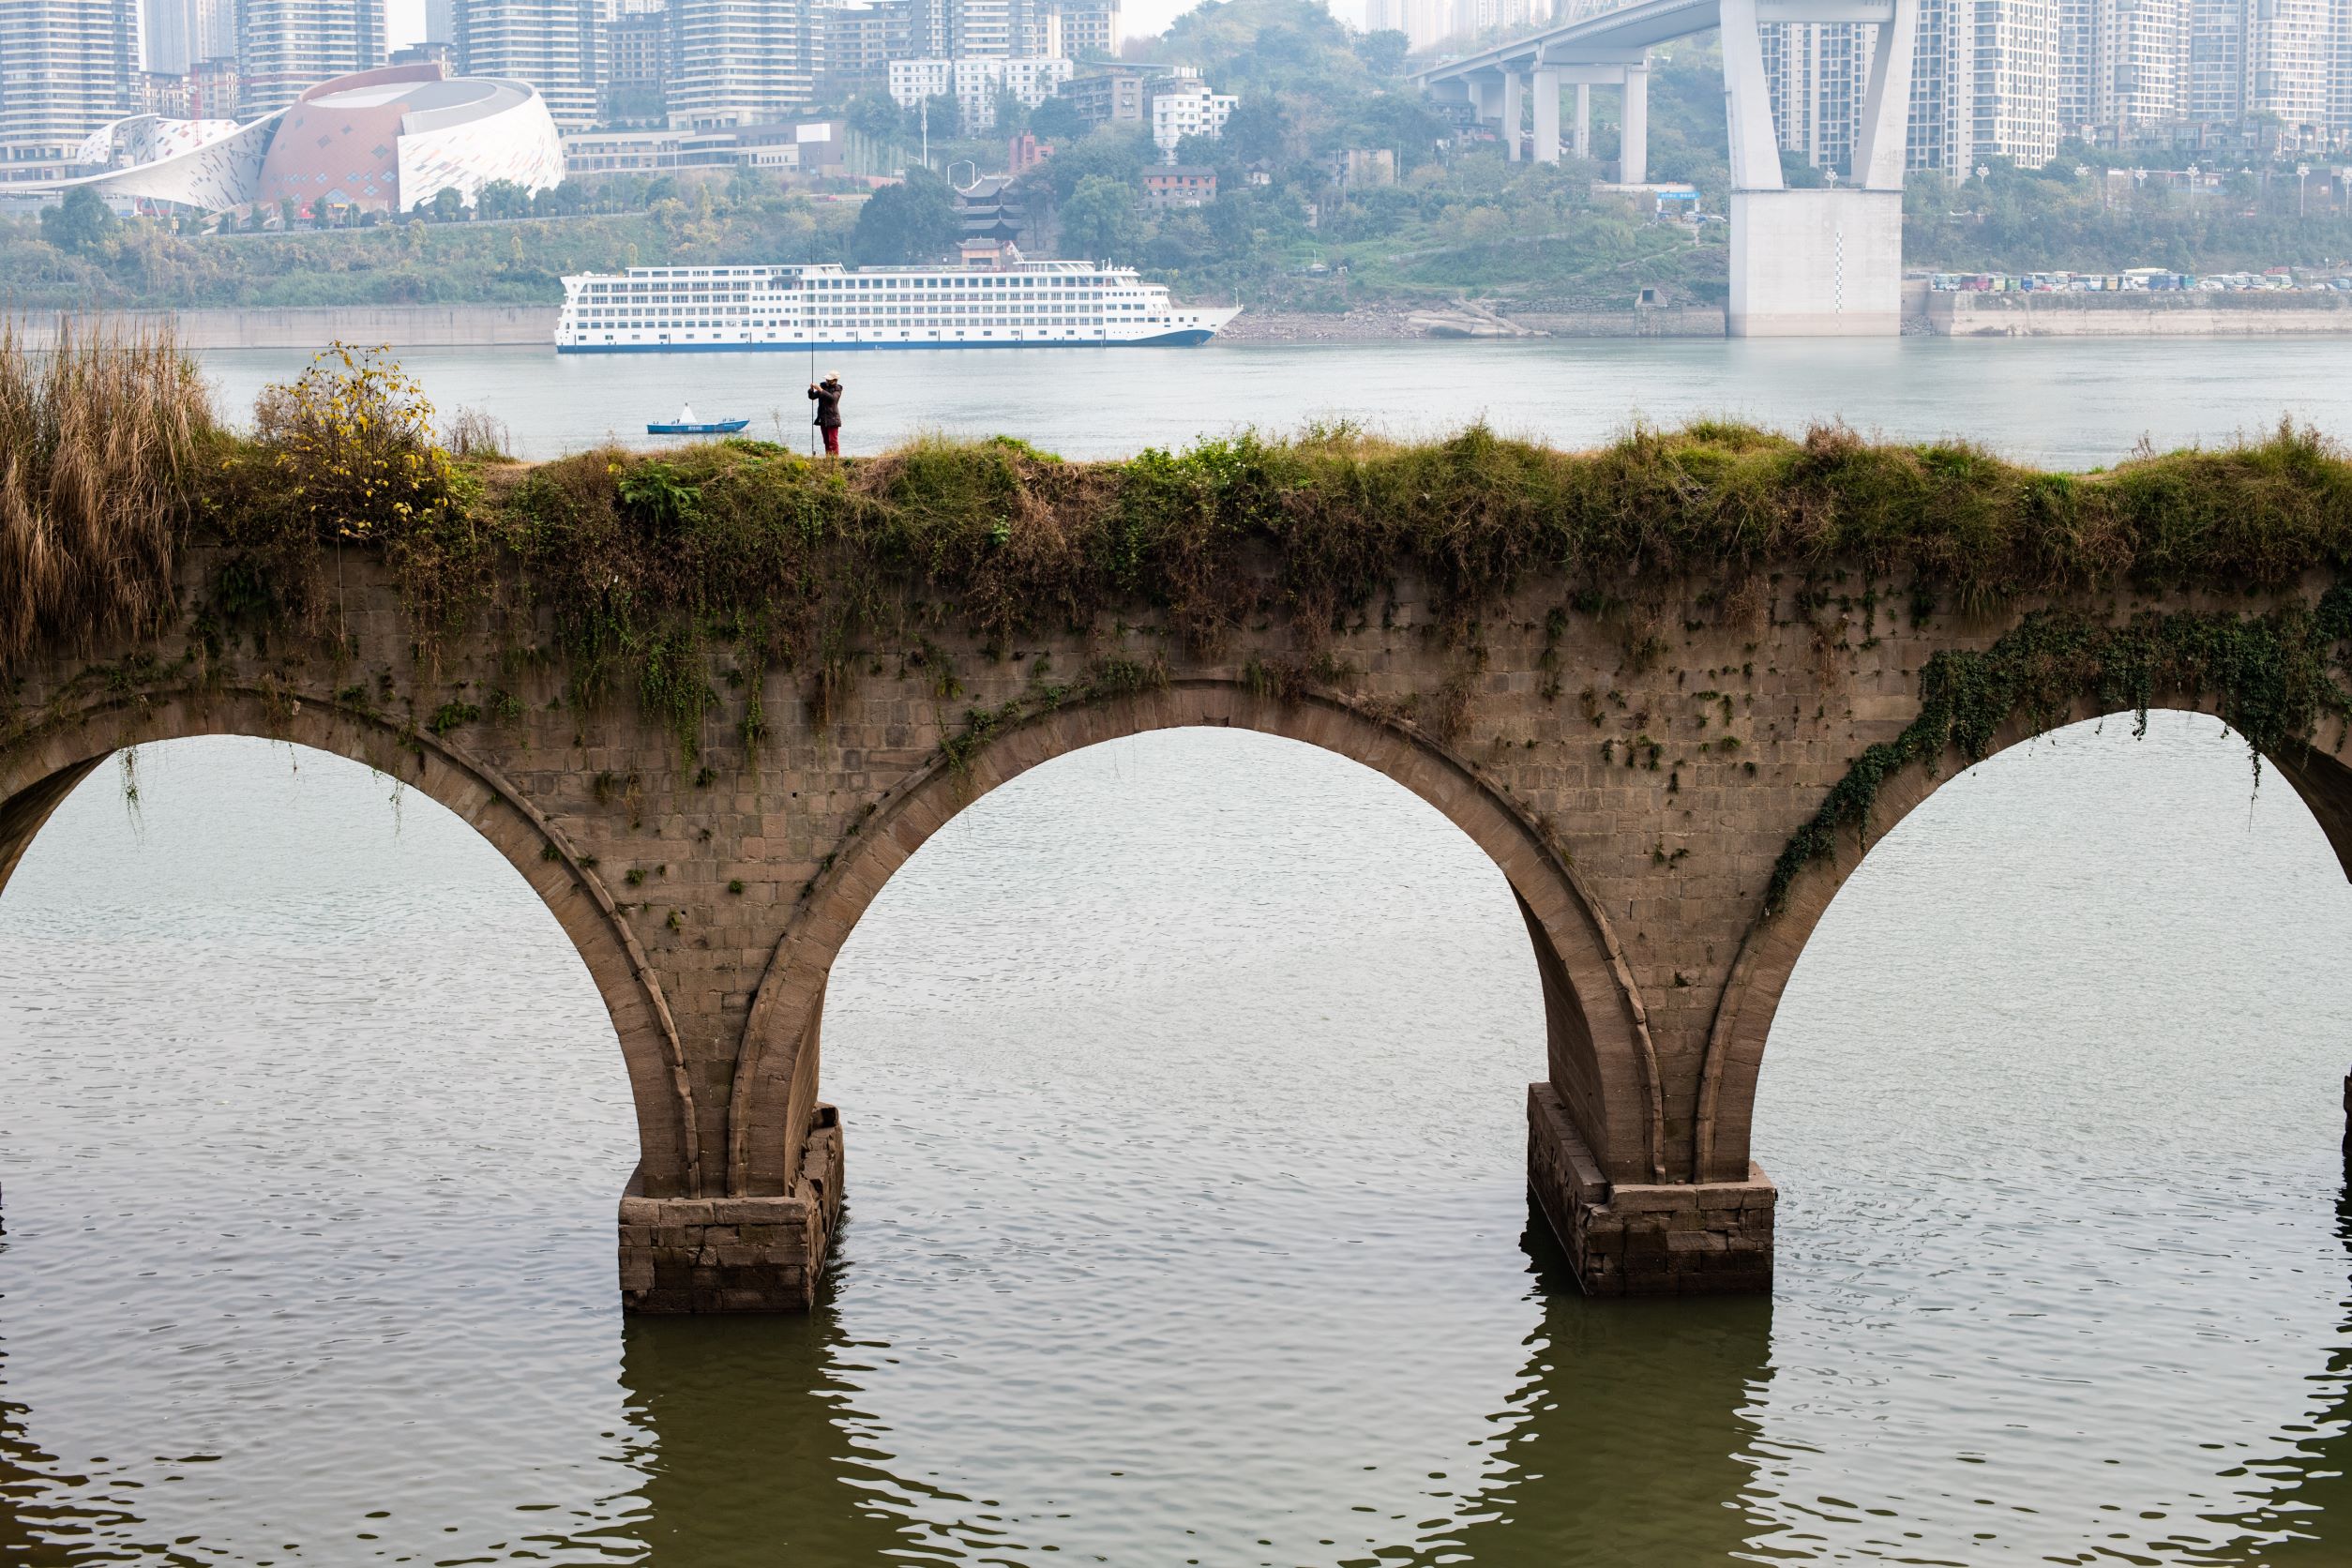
[1457, 221]
[128, 264]
[2033, 221]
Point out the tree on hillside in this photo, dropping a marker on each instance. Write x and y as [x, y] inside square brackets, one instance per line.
[1056, 120]
[1110, 153]
[502, 199]
[1183, 239]
[1383, 53]
[1267, 45]
[80, 223]
[1401, 123]
[448, 205]
[874, 114]
[912, 221]
[1257, 131]
[1099, 220]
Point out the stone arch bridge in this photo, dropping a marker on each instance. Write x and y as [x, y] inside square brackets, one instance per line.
[1638, 775]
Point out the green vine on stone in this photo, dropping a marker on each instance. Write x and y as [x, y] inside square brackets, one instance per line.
[2271, 677]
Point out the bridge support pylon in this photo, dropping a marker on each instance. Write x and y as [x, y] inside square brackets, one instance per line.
[1629, 1239]
[1819, 262]
[1815, 263]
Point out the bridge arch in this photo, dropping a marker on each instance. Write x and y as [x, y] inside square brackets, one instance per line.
[66, 744]
[1768, 955]
[1601, 1060]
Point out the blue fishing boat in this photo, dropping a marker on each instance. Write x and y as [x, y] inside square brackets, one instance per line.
[687, 424]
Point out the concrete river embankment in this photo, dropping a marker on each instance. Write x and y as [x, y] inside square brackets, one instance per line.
[2265, 314]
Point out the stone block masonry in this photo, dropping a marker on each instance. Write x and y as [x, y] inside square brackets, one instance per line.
[1634, 754]
[1645, 1239]
[680, 1255]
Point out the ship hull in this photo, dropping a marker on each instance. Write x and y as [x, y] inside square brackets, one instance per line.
[1190, 339]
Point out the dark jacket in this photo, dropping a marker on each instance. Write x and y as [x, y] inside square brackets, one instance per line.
[828, 401]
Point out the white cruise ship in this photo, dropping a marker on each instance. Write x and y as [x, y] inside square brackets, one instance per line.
[1012, 304]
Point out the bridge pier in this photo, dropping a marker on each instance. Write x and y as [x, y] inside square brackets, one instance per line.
[1627, 1239]
[680, 1255]
[1633, 130]
[1815, 263]
[1547, 116]
[1809, 263]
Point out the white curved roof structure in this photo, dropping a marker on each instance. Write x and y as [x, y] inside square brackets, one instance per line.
[386, 139]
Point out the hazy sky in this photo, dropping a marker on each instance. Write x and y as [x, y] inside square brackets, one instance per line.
[406, 22]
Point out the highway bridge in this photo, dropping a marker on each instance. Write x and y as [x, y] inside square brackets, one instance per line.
[1812, 263]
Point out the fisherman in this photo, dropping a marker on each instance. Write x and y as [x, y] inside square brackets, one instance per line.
[827, 395]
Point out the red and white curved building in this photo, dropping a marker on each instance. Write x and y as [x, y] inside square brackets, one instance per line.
[385, 140]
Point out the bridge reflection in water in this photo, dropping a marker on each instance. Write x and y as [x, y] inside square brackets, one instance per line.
[1627, 1440]
[1633, 1437]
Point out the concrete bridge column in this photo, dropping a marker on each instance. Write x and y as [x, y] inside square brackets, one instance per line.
[1633, 155]
[1487, 100]
[1748, 101]
[1583, 133]
[1514, 110]
[1816, 263]
[1548, 116]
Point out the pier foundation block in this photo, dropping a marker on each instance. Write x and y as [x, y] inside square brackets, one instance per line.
[680, 1255]
[1623, 1239]
[1815, 263]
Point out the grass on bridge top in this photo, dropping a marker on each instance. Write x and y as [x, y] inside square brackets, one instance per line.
[112, 461]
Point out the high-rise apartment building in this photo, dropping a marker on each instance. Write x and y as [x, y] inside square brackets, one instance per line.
[2138, 69]
[2290, 56]
[285, 46]
[1984, 84]
[2286, 60]
[2217, 60]
[1423, 21]
[1083, 29]
[742, 61]
[979, 29]
[2077, 23]
[66, 67]
[2012, 80]
[558, 46]
[1818, 73]
[167, 48]
[2340, 98]
[2124, 67]
[862, 37]
[179, 32]
[636, 67]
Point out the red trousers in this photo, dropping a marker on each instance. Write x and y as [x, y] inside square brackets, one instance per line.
[832, 440]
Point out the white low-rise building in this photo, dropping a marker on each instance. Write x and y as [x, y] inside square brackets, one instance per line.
[976, 83]
[1186, 106]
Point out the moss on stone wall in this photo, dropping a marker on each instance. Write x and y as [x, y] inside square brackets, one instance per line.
[645, 578]
[745, 543]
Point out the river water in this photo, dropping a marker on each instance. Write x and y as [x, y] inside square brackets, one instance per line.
[1183, 1086]
[2059, 402]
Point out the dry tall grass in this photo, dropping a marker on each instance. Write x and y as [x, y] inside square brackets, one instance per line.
[99, 445]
